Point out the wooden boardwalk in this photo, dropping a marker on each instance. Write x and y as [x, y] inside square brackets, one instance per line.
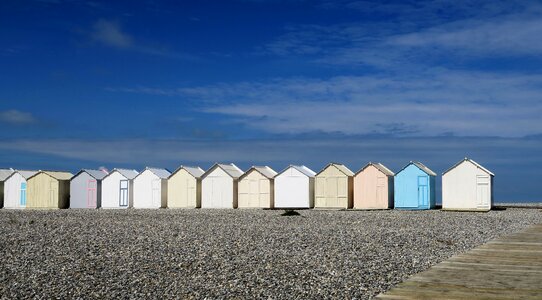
[505, 268]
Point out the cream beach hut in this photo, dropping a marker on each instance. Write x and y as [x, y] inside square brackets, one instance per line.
[334, 187]
[294, 188]
[15, 189]
[49, 189]
[219, 186]
[256, 188]
[467, 186]
[4, 174]
[184, 188]
[86, 189]
[373, 187]
[117, 188]
[150, 188]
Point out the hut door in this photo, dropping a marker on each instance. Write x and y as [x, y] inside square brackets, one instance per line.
[216, 192]
[23, 194]
[482, 191]
[123, 192]
[263, 193]
[253, 193]
[422, 191]
[53, 193]
[331, 192]
[380, 191]
[156, 199]
[91, 193]
[190, 193]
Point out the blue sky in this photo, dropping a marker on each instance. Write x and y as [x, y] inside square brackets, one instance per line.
[85, 84]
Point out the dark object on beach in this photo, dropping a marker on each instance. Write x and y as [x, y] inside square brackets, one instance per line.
[290, 212]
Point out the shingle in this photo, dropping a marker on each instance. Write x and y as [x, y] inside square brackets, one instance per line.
[5, 173]
[161, 173]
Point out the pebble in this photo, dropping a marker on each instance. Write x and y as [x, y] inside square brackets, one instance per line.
[217, 254]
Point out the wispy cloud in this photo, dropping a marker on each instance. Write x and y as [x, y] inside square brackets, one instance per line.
[504, 29]
[431, 103]
[111, 34]
[17, 117]
[499, 37]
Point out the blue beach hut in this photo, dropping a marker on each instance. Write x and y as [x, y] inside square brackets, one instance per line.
[415, 187]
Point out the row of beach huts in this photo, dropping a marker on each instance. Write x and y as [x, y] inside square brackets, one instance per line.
[465, 186]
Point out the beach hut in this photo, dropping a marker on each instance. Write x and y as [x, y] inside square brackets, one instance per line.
[4, 174]
[294, 188]
[48, 189]
[117, 189]
[256, 188]
[373, 187]
[219, 186]
[334, 187]
[150, 188]
[467, 186]
[86, 189]
[184, 188]
[15, 189]
[414, 187]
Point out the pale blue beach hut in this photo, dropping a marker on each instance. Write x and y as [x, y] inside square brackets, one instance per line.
[415, 187]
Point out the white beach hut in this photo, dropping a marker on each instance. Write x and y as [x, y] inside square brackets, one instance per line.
[86, 189]
[15, 191]
[219, 186]
[150, 188]
[294, 188]
[467, 186]
[256, 188]
[117, 188]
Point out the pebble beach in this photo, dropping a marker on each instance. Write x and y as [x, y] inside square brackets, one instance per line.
[241, 254]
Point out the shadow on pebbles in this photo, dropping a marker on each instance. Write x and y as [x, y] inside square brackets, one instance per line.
[232, 253]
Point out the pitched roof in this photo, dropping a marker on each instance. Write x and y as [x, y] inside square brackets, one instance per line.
[58, 175]
[306, 171]
[130, 174]
[341, 168]
[265, 171]
[380, 167]
[472, 162]
[5, 173]
[27, 173]
[161, 173]
[96, 174]
[197, 172]
[420, 166]
[230, 169]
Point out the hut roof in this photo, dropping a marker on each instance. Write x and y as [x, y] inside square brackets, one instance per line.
[472, 162]
[379, 166]
[197, 172]
[161, 173]
[264, 170]
[420, 166]
[306, 171]
[130, 174]
[96, 174]
[58, 175]
[5, 173]
[27, 173]
[341, 168]
[230, 169]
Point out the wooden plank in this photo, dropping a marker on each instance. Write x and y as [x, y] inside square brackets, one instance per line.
[505, 268]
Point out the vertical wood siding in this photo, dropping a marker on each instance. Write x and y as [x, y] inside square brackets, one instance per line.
[373, 189]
